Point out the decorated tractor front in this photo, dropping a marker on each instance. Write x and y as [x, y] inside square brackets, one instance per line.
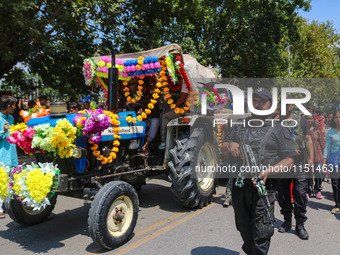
[83, 142]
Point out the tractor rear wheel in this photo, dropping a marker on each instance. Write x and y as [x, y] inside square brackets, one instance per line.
[192, 174]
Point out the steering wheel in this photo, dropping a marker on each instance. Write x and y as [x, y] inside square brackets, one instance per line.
[134, 106]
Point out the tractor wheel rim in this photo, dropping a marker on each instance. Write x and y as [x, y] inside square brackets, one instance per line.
[120, 216]
[206, 158]
[29, 210]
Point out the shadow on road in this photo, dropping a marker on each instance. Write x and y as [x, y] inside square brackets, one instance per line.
[319, 206]
[212, 250]
[49, 234]
[153, 195]
[327, 195]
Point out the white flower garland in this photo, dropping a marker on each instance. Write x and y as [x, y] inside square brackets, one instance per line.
[28, 198]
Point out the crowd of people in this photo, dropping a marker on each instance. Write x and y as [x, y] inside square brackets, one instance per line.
[310, 148]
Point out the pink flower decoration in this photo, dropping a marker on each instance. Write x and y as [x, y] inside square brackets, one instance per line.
[29, 132]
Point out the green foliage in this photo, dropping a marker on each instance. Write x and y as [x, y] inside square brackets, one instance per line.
[315, 55]
[53, 37]
[246, 38]
[241, 36]
[17, 81]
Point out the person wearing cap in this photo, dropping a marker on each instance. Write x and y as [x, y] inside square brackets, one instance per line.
[271, 146]
[303, 144]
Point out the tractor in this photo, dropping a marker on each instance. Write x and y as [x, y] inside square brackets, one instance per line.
[190, 142]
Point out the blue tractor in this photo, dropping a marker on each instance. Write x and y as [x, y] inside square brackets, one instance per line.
[190, 142]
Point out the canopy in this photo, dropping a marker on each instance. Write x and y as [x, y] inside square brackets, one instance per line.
[96, 68]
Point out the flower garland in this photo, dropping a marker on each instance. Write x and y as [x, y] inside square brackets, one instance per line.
[113, 154]
[219, 135]
[217, 70]
[5, 180]
[166, 90]
[18, 127]
[139, 93]
[126, 69]
[95, 124]
[142, 67]
[183, 73]
[89, 71]
[171, 68]
[63, 138]
[37, 111]
[23, 140]
[43, 137]
[103, 68]
[141, 63]
[32, 185]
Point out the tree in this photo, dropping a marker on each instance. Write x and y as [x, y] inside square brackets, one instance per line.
[241, 36]
[315, 55]
[52, 37]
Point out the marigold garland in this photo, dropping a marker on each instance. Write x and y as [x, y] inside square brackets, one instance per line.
[5, 190]
[95, 152]
[155, 95]
[139, 93]
[219, 135]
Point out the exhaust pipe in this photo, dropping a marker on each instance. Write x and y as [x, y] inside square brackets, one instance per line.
[113, 82]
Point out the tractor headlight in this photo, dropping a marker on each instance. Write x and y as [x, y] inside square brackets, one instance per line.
[79, 152]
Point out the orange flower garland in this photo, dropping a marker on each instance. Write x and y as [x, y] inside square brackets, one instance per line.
[219, 135]
[104, 160]
[139, 92]
[150, 105]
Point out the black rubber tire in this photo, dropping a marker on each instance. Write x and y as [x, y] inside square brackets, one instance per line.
[99, 210]
[17, 213]
[184, 155]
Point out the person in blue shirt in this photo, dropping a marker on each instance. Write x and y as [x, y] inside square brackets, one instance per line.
[331, 156]
[8, 152]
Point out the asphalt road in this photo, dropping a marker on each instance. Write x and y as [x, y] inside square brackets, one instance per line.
[164, 227]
